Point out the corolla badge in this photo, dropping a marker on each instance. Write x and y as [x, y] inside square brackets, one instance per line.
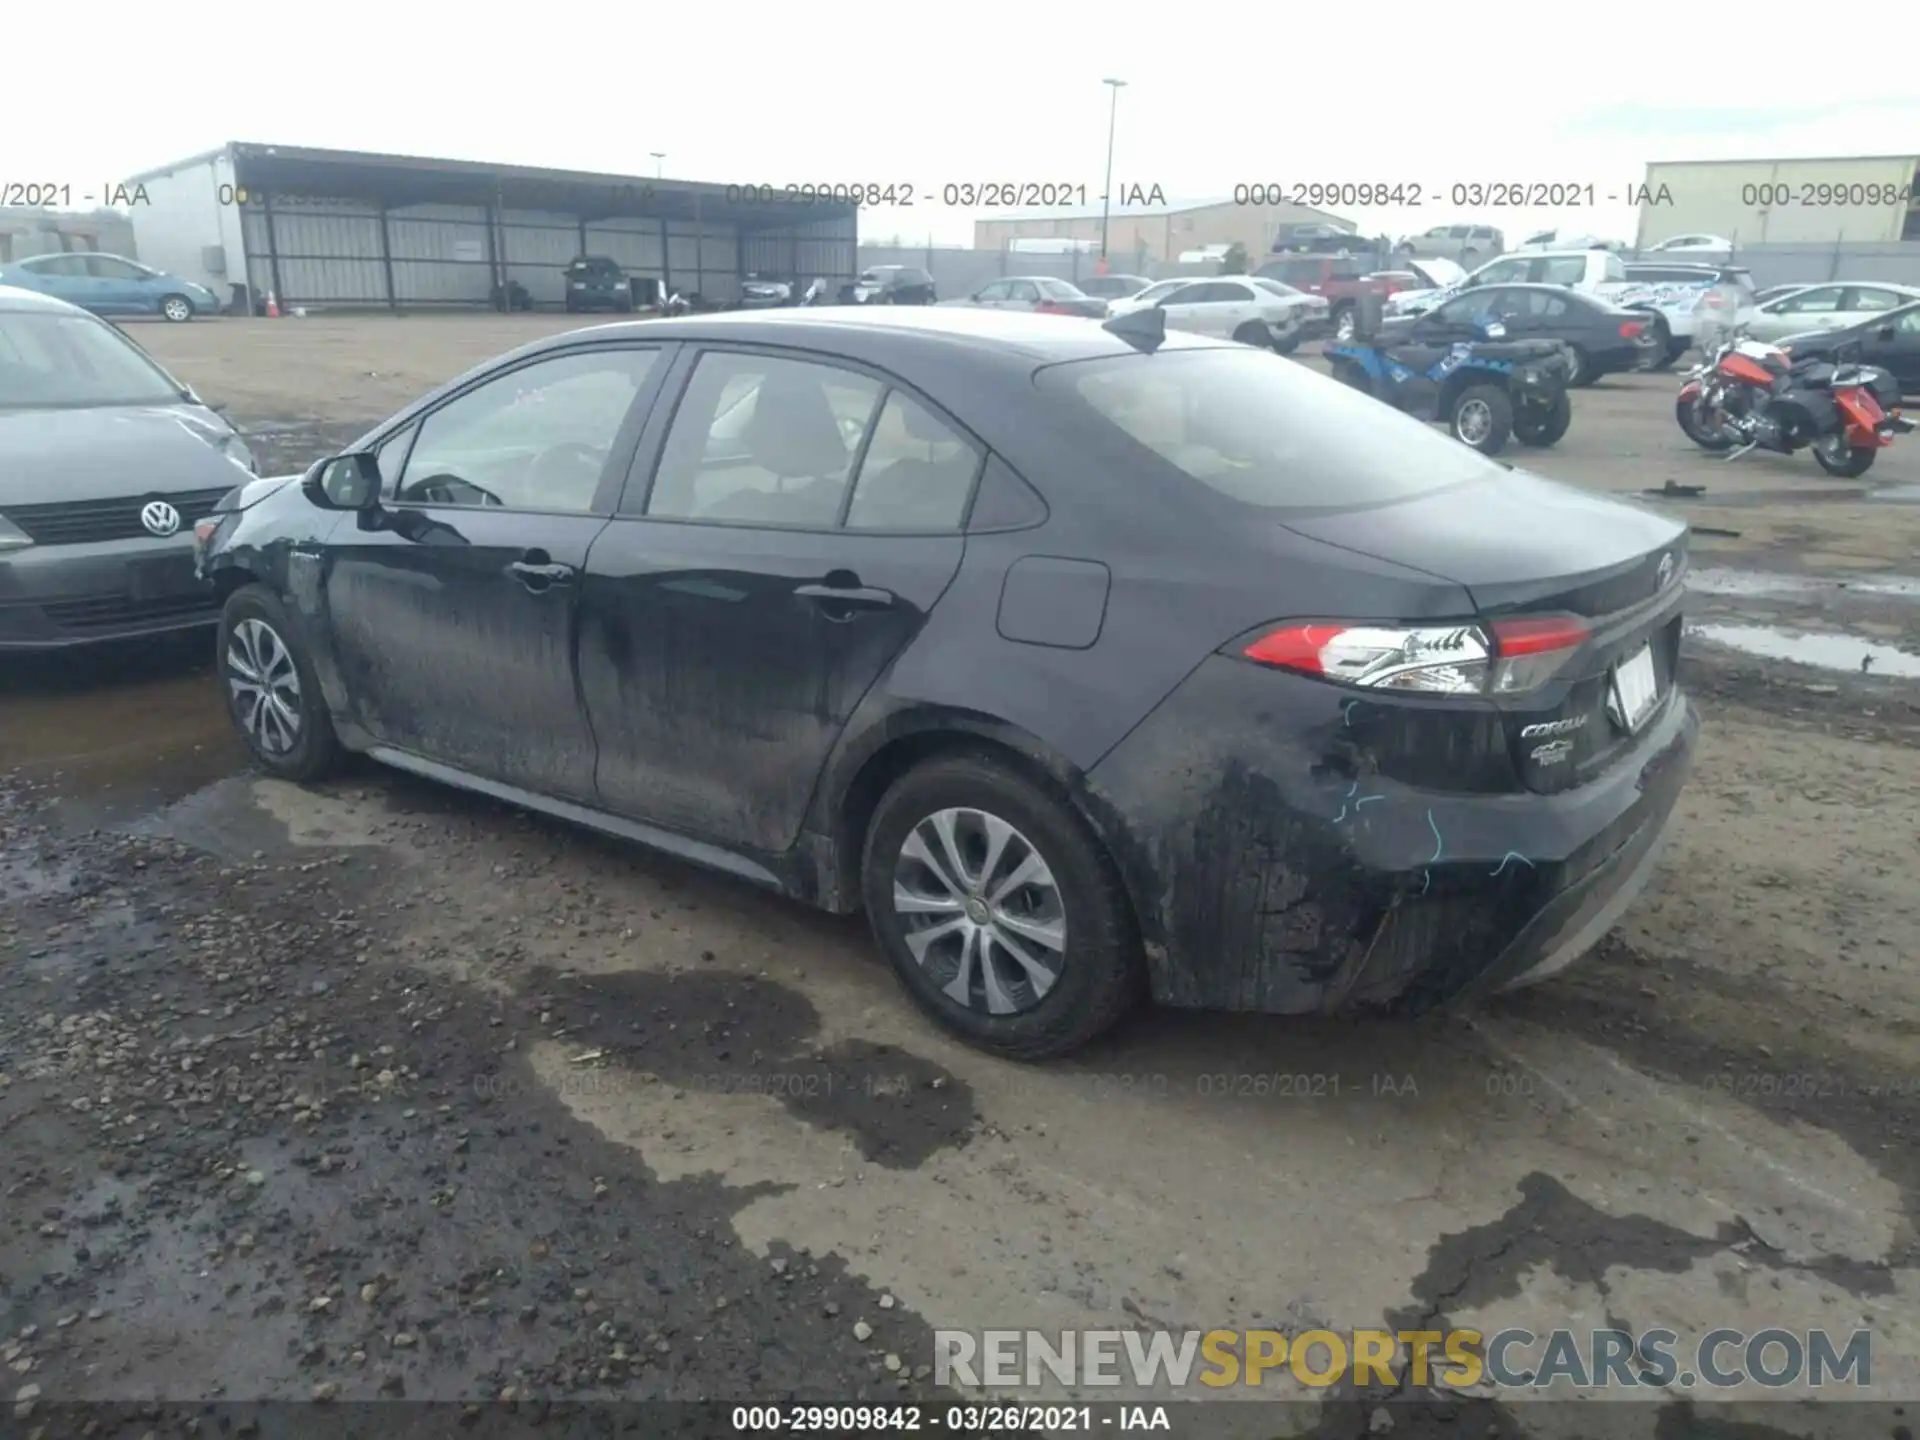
[1666, 570]
[160, 517]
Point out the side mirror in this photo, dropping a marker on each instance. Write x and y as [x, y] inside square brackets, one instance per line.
[1885, 332]
[345, 482]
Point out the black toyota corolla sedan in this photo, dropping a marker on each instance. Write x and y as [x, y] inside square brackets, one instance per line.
[1089, 660]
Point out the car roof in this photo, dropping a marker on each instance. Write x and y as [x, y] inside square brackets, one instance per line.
[13, 298]
[872, 334]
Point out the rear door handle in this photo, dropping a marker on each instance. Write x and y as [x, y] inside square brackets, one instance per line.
[537, 576]
[845, 598]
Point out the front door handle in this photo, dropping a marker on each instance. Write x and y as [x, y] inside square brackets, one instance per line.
[841, 601]
[539, 575]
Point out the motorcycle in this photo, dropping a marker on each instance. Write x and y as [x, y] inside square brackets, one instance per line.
[1747, 394]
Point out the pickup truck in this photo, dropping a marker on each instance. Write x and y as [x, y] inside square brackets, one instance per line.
[1340, 280]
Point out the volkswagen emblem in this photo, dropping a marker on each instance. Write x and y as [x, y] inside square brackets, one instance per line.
[1666, 570]
[160, 517]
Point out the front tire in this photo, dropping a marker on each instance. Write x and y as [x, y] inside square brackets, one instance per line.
[1002, 916]
[1533, 425]
[1665, 351]
[176, 308]
[1482, 417]
[1836, 457]
[1344, 324]
[273, 696]
[1687, 413]
[1579, 367]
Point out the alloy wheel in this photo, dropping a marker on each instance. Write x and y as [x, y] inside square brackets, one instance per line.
[1473, 421]
[177, 309]
[980, 911]
[265, 686]
[1343, 327]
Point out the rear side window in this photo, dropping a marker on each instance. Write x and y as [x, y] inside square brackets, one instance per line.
[1061, 290]
[1264, 431]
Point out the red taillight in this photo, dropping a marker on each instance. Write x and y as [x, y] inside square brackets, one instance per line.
[1630, 329]
[1297, 647]
[1534, 637]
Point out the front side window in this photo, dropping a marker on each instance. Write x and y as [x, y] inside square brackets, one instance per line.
[1821, 300]
[763, 440]
[50, 361]
[536, 438]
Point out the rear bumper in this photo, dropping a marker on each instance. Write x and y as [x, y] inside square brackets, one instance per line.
[1266, 876]
[57, 596]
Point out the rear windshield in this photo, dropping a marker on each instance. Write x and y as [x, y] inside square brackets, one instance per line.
[68, 361]
[1267, 432]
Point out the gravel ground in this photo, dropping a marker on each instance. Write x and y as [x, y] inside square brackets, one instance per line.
[374, 1090]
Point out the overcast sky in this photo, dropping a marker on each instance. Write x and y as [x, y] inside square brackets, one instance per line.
[925, 96]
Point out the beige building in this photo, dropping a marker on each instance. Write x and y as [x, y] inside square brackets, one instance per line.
[1870, 199]
[1138, 234]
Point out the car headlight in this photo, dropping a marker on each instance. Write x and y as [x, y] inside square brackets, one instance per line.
[12, 537]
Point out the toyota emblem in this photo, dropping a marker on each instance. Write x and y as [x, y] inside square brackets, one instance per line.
[1666, 570]
[160, 517]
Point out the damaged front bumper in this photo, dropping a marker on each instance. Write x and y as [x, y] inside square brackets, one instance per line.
[1273, 870]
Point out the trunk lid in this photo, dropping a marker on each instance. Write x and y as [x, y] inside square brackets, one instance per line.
[1521, 547]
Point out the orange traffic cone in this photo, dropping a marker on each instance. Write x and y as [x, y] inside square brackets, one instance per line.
[273, 306]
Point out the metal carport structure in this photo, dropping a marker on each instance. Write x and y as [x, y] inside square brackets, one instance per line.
[348, 229]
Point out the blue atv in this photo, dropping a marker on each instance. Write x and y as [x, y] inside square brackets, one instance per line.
[1486, 389]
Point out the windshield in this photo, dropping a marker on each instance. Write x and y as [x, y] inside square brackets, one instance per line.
[51, 360]
[1267, 432]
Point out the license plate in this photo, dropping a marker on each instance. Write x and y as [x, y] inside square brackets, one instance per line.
[1636, 687]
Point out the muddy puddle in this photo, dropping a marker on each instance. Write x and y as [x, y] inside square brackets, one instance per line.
[1713, 580]
[117, 734]
[1823, 651]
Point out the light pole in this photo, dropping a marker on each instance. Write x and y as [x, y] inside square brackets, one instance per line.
[658, 157]
[1106, 195]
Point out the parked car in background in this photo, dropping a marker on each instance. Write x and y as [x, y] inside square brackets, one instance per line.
[1317, 239]
[1695, 244]
[1251, 309]
[1827, 307]
[831, 663]
[111, 285]
[1568, 240]
[1601, 338]
[890, 285]
[763, 292]
[596, 282]
[1113, 287]
[1466, 244]
[1693, 305]
[1042, 294]
[1577, 269]
[106, 464]
[1890, 339]
[1774, 292]
[1341, 280]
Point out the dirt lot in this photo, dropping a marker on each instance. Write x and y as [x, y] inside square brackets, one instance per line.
[378, 1089]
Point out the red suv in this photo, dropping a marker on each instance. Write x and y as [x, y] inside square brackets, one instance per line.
[1339, 279]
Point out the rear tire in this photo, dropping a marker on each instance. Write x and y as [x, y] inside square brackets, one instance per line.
[1481, 416]
[1251, 334]
[1537, 427]
[273, 696]
[1664, 353]
[1579, 367]
[1345, 322]
[1846, 461]
[1096, 974]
